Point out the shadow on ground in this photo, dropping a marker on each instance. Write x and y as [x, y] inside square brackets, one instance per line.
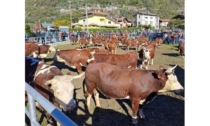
[162, 111]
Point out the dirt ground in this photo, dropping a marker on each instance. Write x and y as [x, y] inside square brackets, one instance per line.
[166, 110]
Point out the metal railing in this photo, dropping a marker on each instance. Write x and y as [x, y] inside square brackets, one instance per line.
[49, 107]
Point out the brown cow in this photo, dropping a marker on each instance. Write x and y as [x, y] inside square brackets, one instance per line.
[74, 58]
[38, 51]
[181, 49]
[110, 46]
[31, 49]
[147, 53]
[75, 40]
[135, 84]
[158, 41]
[83, 42]
[128, 60]
[51, 83]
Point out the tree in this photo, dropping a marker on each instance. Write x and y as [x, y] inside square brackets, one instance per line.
[28, 29]
[176, 23]
[63, 22]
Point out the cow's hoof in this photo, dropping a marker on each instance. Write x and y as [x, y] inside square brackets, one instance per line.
[134, 121]
[99, 106]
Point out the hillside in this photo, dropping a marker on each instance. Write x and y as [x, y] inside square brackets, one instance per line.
[49, 10]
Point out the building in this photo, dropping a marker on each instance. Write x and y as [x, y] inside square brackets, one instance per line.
[95, 19]
[124, 22]
[164, 22]
[141, 18]
[46, 26]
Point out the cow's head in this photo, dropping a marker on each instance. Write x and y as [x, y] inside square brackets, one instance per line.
[64, 90]
[146, 53]
[172, 83]
[91, 57]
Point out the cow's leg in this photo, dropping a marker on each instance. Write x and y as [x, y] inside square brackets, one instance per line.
[135, 105]
[79, 68]
[146, 64]
[151, 62]
[96, 96]
[141, 66]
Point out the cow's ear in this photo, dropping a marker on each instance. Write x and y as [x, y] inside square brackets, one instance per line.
[160, 75]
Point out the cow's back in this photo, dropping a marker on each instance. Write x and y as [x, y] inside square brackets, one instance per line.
[123, 60]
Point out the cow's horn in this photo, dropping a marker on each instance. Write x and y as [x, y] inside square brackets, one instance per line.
[170, 70]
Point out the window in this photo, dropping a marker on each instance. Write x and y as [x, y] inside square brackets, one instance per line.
[146, 22]
[109, 22]
[139, 23]
[139, 16]
[151, 22]
[146, 17]
[151, 17]
[83, 20]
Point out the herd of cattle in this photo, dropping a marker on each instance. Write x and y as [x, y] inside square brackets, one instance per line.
[114, 75]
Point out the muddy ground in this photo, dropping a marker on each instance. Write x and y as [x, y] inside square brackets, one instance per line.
[166, 110]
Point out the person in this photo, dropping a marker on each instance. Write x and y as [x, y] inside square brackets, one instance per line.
[26, 37]
[64, 36]
[60, 35]
[38, 35]
[56, 34]
[43, 37]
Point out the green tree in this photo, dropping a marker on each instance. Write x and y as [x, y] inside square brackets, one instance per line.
[28, 29]
[176, 23]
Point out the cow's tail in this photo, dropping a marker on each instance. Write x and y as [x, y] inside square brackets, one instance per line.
[77, 76]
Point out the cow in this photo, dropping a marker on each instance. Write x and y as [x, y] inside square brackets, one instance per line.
[134, 43]
[51, 83]
[135, 84]
[147, 53]
[74, 58]
[128, 60]
[110, 46]
[31, 49]
[181, 49]
[38, 51]
[158, 41]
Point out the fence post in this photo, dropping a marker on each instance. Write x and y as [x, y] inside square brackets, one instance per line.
[32, 111]
[49, 107]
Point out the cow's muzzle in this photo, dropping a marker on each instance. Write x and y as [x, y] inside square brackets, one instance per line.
[179, 91]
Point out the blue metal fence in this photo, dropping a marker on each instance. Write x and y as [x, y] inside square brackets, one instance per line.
[49, 107]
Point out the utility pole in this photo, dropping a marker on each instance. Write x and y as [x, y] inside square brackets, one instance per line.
[70, 15]
[86, 16]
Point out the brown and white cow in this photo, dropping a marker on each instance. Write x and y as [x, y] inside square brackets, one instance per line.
[181, 49]
[38, 51]
[146, 54]
[135, 84]
[31, 49]
[51, 83]
[110, 46]
[159, 41]
[74, 58]
[128, 60]
[44, 50]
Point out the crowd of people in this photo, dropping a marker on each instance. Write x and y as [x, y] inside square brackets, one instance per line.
[170, 37]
